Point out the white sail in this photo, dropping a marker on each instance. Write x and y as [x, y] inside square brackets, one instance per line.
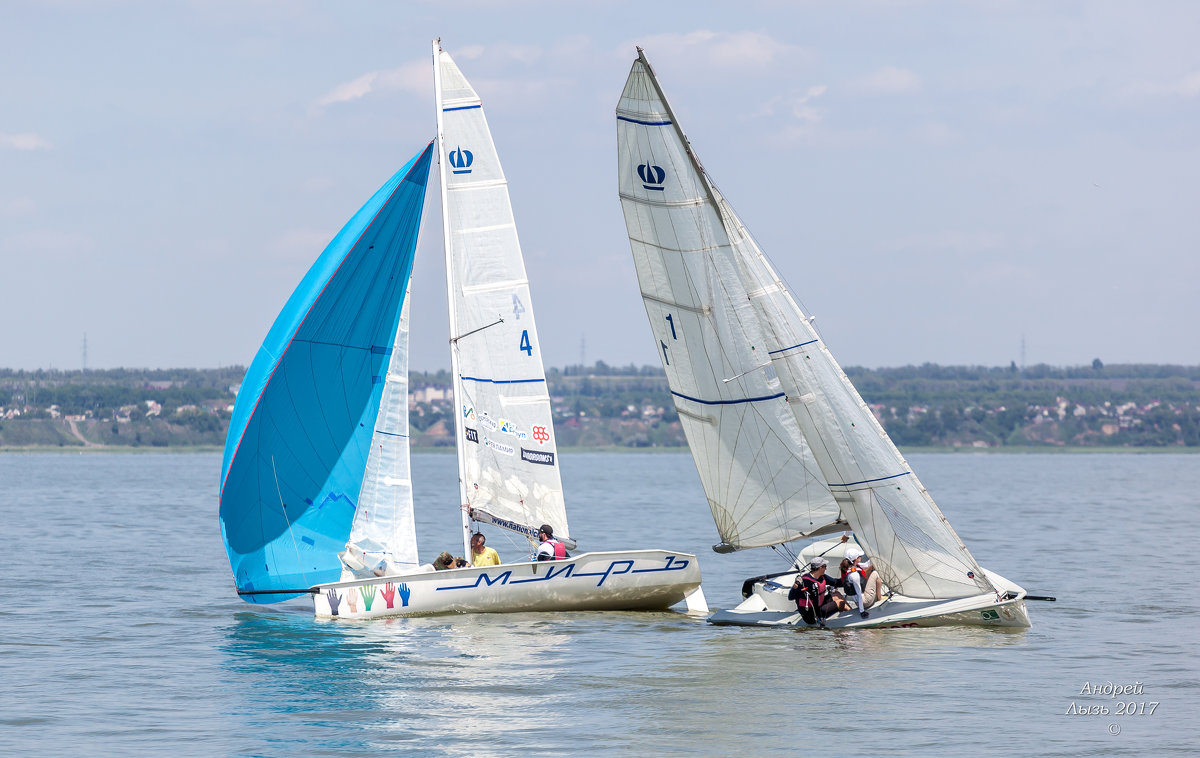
[383, 528]
[893, 516]
[761, 480]
[508, 459]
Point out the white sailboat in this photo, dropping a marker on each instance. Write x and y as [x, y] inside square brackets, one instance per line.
[316, 493]
[785, 446]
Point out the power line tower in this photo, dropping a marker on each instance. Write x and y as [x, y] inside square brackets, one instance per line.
[84, 351]
[583, 351]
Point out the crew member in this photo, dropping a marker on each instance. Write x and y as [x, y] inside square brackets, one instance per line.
[549, 548]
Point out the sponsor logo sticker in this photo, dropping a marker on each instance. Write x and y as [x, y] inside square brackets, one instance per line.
[537, 456]
[499, 447]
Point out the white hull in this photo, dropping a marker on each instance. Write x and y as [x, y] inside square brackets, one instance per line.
[613, 581]
[768, 605]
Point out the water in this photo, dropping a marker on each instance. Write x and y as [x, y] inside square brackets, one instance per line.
[121, 634]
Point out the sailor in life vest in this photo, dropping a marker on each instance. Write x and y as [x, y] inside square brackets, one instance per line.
[814, 595]
[550, 549]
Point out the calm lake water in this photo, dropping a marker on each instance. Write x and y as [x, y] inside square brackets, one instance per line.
[121, 633]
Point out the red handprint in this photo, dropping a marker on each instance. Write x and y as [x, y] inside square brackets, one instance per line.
[389, 593]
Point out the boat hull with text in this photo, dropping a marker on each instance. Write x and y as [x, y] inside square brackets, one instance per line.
[604, 581]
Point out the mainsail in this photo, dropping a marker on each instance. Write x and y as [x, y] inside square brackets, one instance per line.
[302, 425]
[762, 482]
[687, 239]
[508, 460]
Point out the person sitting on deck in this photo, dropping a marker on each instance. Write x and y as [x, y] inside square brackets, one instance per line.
[550, 549]
[860, 580]
[814, 595]
[444, 561]
[481, 554]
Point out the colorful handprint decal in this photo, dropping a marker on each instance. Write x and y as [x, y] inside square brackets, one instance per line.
[389, 594]
[334, 600]
[405, 593]
[368, 595]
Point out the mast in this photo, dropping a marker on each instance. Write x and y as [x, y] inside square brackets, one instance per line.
[458, 419]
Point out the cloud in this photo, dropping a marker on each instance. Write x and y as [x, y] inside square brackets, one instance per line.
[298, 244]
[16, 206]
[413, 77]
[739, 49]
[1186, 86]
[416, 77]
[945, 241]
[936, 133]
[888, 80]
[798, 105]
[49, 244]
[24, 141]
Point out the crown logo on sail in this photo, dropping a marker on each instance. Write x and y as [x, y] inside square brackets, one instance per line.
[652, 176]
[461, 160]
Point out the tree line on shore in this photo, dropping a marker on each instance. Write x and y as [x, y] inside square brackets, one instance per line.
[1136, 405]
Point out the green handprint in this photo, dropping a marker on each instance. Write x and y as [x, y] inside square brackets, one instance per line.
[368, 595]
[405, 593]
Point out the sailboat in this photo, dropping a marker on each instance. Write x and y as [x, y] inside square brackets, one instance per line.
[785, 447]
[316, 495]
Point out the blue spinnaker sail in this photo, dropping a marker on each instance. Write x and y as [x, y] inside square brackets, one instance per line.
[301, 427]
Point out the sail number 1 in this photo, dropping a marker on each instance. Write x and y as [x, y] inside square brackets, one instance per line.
[671, 323]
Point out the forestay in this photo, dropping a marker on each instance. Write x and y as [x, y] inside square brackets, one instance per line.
[508, 459]
[909, 540]
[762, 482]
[303, 420]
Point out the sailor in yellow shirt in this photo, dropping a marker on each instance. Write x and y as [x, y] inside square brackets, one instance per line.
[481, 555]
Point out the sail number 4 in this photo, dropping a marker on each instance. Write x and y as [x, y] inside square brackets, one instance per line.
[526, 346]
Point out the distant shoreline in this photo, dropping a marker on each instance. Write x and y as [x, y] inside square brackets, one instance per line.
[610, 450]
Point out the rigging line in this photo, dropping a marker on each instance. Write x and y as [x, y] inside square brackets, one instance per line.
[288, 521]
[454, 340]
[747, 371]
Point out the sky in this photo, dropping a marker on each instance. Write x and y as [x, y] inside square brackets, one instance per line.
[964, 183]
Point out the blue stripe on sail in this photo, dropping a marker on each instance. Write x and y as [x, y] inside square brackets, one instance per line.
[785, 349]
[300, 432]
[391, 434]
[643, 123]
[461, 108]
[727, 402]
[868, 481]
[499, 381]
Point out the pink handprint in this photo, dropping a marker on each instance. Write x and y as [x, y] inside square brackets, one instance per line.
[389, 593]
[353, 601]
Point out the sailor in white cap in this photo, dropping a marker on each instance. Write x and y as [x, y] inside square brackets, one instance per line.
[860, 580]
